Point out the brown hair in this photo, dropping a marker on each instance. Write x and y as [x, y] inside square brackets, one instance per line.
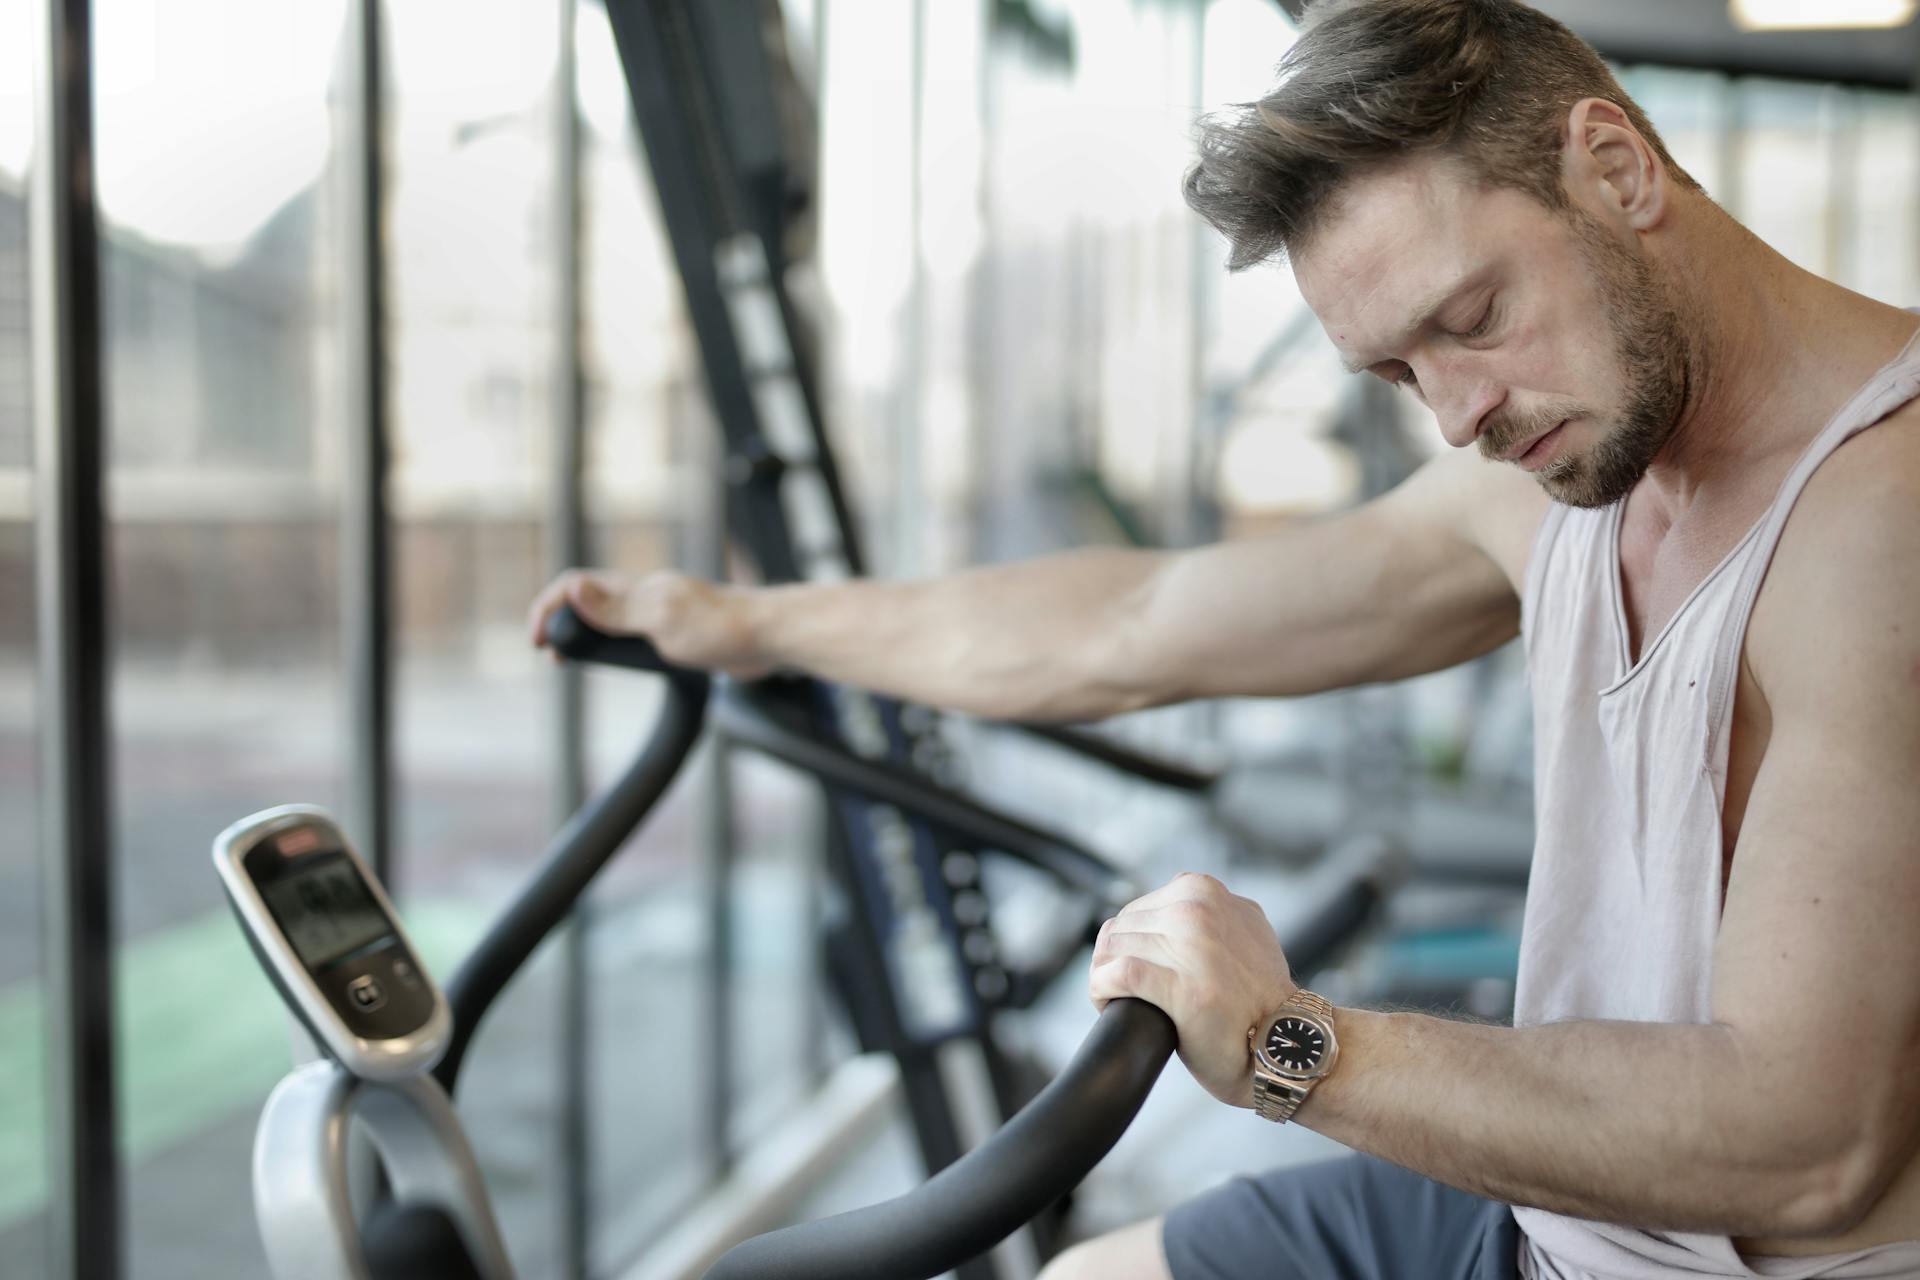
[1371, 81]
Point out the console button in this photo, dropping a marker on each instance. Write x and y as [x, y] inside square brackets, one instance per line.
[366, 993]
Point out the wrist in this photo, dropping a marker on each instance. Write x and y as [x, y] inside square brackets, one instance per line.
[762, 623]
[1294, 1050]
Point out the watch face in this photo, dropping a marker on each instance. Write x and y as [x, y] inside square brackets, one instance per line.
[1296, 1045]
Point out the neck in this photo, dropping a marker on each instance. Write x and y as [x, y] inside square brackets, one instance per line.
[1775, 351]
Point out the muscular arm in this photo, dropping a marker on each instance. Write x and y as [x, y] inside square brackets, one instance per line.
[1796, 1108]
[1400, 586]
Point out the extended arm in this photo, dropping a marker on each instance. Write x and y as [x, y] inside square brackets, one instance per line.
[1796, 1111]
[1399, 586]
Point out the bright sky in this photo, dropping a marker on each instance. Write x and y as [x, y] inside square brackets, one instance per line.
[16, 84]
[209, 119]
[211, 115]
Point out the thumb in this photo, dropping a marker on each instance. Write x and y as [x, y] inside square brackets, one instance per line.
[589, 600]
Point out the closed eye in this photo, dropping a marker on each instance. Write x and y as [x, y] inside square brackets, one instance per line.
[1485, 326]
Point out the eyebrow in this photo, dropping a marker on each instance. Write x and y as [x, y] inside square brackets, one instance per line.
[1425, 313]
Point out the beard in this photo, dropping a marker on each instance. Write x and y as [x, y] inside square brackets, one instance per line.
[1656, 363]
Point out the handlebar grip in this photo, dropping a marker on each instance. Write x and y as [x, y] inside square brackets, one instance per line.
[971, 1205]
[574, 637]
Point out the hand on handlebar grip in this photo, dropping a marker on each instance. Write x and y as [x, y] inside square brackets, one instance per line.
[690, 621]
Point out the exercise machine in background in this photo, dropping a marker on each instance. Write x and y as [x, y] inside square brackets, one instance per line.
[390, 1047]
[721, 120]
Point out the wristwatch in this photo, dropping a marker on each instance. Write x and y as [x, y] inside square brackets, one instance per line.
[1292, 1052]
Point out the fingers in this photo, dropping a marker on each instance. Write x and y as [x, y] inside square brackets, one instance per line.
[1188, 886]
[1127, 961]
[589, 593]
[589, 599]
[551, 597]
[1129, 975]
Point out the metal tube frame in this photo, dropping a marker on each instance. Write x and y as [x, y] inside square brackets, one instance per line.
[85, 1207]
[365, 534]
[567, 543]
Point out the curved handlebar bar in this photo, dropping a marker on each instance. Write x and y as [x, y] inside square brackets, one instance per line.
[743, 721]
[1039, 1155]
[589, 839]
[1122, 758]
[573, 637]
[971, 1205]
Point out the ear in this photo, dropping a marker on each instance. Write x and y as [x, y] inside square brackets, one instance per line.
[1611, 169]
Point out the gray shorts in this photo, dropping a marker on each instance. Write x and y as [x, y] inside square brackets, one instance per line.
[1355, 1218]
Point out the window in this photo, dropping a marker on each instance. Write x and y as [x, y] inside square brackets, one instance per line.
[472, 272]
[23, 1154]
[223, 484]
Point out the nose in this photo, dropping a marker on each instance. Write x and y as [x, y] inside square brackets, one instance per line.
[1462, 403]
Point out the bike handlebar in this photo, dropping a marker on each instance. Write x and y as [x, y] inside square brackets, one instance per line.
[972, 1204]
[589, 839]
[573, 637]
[1041, 1154]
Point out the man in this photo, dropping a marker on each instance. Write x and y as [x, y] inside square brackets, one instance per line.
[1687, 472]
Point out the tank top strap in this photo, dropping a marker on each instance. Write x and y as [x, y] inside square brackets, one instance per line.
[1534, 579]
[1897, 383]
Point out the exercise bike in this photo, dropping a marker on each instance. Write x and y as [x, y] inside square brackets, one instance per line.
[392, 1044]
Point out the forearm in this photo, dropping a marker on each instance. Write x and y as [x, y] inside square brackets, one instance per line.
[1040, 639]
[1353, 599]
[1653, 1125]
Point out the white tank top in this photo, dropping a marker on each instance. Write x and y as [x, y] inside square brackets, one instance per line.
[1630, 777]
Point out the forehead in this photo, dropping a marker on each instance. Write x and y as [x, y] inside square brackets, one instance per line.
[1397, 238]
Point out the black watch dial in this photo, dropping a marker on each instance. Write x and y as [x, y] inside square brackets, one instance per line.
[1296, 1044]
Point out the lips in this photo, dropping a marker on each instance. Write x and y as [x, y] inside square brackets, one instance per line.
[1521, 450]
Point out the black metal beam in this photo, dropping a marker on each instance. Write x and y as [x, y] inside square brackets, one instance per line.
[975, 824]
[699, 208]
[1771, 63]
[366, 551]
[71, 585]
[1857, 59]
[567, 547]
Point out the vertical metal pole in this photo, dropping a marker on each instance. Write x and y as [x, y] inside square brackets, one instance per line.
[910, 516]
[365, 542]
[717, 989]
[719, 844]
[70, 583]
[813, 908]
[985, 302]
[813, 926]
[1201, 520]
[567, 547]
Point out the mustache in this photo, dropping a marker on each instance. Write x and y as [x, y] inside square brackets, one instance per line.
[1506, 428]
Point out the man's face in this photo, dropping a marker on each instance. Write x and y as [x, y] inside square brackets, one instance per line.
[1539, 335]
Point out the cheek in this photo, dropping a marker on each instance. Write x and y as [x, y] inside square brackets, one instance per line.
[1567, 358]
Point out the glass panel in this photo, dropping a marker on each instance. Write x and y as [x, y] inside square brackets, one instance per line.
[1882, 255]
[215, 153]
[650, 445]
[470, 256]
[23, 1154]
[1784, 188]
[1692, 110]
[866, 271]
[779, 1034]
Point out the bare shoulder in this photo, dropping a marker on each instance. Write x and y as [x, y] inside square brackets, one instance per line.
[1861, 508]
[1492, 505]
[1845, 579]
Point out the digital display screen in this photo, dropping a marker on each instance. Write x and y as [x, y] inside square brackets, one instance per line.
[326, 911]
